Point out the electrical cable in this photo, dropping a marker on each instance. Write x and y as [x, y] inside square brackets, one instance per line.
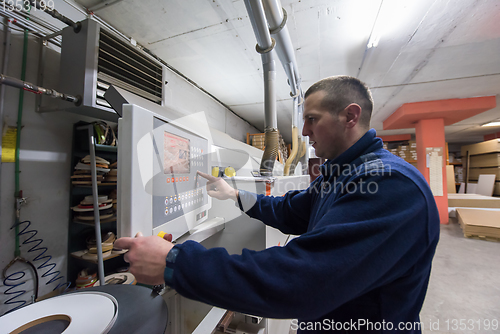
[10, 280]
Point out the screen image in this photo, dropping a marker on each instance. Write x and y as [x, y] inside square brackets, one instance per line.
[175, 154]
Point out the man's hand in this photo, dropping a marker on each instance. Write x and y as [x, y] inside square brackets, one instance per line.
[146, 256]
[218, 188]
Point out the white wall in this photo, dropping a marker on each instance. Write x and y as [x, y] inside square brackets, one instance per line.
[180, 94]
[46, 141]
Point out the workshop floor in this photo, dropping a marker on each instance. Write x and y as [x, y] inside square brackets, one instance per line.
[464, 284]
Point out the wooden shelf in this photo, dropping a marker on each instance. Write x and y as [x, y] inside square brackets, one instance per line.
[92, 223]
[79, 254]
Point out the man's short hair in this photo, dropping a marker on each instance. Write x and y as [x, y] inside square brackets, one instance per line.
[343, 90]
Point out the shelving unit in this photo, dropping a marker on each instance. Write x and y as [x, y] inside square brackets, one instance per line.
[482, 158]
[257, 140]
[78, 231]
[395, 145]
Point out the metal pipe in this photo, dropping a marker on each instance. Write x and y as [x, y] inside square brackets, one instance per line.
[265, 46]
[10, 81]
[49, 37]
[270, 117]
[22, 23]
[259, 23]
[11, 12]
[41, 72]
[77, 26]
[95, 194]
[5, 65]
[276, 18]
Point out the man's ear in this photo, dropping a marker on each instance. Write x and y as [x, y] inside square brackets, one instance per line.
[353, 114]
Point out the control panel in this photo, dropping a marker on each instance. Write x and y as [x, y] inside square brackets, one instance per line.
[177, 188]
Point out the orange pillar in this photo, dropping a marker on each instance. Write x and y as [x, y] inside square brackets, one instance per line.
[430, 133]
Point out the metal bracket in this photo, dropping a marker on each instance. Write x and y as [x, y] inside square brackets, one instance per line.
[262, 51]
[282, 25]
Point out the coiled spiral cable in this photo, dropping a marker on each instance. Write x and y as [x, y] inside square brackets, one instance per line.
[12, 281]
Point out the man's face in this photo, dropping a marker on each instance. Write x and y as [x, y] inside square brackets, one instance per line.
[323, 128]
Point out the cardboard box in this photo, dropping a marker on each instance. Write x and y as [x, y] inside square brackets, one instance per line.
[485, 160]
[475, 172]
[473, 201]
[489, 146]
[412, 144]
[481, 223]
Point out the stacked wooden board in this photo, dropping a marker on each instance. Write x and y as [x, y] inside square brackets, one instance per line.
[480, 223]
[473, 201]
[484, 158]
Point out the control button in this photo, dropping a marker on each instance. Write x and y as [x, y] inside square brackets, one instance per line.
[171, 210]
[171, 200]
[173, 180]
[166, 211]
[175, 199]
[166, 201]
[175, 209]
[179, 207]
[168, 180]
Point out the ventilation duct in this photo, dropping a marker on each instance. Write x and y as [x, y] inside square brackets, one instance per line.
[93, 59]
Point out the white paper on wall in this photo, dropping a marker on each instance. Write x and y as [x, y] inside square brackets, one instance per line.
[434, 158]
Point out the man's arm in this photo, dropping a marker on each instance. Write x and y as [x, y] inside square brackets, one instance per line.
[363, 242]
[288, 213]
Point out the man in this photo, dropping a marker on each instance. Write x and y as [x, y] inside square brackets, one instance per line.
[368, 230]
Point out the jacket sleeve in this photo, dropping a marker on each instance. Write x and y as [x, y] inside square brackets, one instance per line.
[288, 213]
[363, 242]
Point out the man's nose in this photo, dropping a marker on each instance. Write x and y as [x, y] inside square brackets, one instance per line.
[305, 130]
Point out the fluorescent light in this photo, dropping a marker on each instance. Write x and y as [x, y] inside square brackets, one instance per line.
[390, 15]
[492, 124]
[373, 42]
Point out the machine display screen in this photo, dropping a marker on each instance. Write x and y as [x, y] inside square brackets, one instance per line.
[175, 154]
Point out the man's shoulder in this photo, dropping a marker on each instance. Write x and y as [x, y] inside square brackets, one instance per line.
[382, 159]
[383, 162]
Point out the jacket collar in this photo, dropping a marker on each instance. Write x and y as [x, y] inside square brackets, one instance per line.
[368, 143]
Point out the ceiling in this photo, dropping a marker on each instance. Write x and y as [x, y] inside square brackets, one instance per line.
[429, 50]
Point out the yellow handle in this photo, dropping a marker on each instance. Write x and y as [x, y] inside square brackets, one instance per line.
[229, 171]
[215, 171]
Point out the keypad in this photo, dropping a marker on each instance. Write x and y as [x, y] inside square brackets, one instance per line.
[186, 200]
